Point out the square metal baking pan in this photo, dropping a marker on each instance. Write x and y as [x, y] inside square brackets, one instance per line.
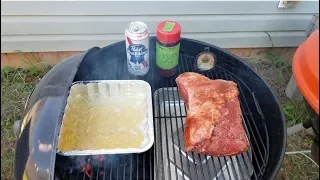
[109, 88]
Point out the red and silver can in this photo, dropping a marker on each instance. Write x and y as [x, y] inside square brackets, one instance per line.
[137, 48]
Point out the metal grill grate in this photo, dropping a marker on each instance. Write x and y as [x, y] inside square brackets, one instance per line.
[129, 166]
[166, 159]
[171, 160]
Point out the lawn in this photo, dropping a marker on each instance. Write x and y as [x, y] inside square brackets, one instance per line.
[16, 84]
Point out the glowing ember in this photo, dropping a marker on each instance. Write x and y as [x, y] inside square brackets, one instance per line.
[87, 167]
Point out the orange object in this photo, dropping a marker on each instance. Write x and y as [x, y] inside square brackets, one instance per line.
[305, 67]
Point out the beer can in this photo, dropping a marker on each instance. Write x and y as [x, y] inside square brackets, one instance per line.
[137, 48]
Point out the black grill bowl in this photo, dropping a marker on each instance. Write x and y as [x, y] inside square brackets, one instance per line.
[262, 116]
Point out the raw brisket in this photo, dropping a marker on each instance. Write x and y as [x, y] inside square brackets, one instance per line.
[213, 124]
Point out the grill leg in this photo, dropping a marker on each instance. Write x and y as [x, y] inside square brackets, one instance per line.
[16, 127]
[292, 90]
[315, 151]
[295, 129]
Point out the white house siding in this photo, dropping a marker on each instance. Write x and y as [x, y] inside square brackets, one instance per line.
[78, 25]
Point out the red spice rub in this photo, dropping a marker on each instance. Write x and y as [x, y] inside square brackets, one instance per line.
[213, 124]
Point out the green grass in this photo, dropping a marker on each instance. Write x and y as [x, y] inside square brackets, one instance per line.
[282, 64]
[295, 112]
[16, 84]
[33, 61]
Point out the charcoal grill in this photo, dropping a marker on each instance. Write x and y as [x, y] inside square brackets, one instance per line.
[36, 156]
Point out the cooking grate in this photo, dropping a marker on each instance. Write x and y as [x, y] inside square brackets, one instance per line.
[166, 159]
[173, 163]
[127, 166]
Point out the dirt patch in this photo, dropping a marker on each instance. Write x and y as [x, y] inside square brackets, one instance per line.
[297, 166]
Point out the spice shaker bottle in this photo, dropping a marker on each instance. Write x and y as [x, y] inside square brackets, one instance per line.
[167, 47]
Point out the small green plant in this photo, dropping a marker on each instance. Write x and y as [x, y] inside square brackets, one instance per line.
[21, 77]
[35, 65]
[295, 112]
[282, 64]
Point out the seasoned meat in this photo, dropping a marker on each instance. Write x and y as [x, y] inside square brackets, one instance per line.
[213, 124]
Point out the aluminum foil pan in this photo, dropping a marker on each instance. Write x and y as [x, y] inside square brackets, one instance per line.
[107, 117]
